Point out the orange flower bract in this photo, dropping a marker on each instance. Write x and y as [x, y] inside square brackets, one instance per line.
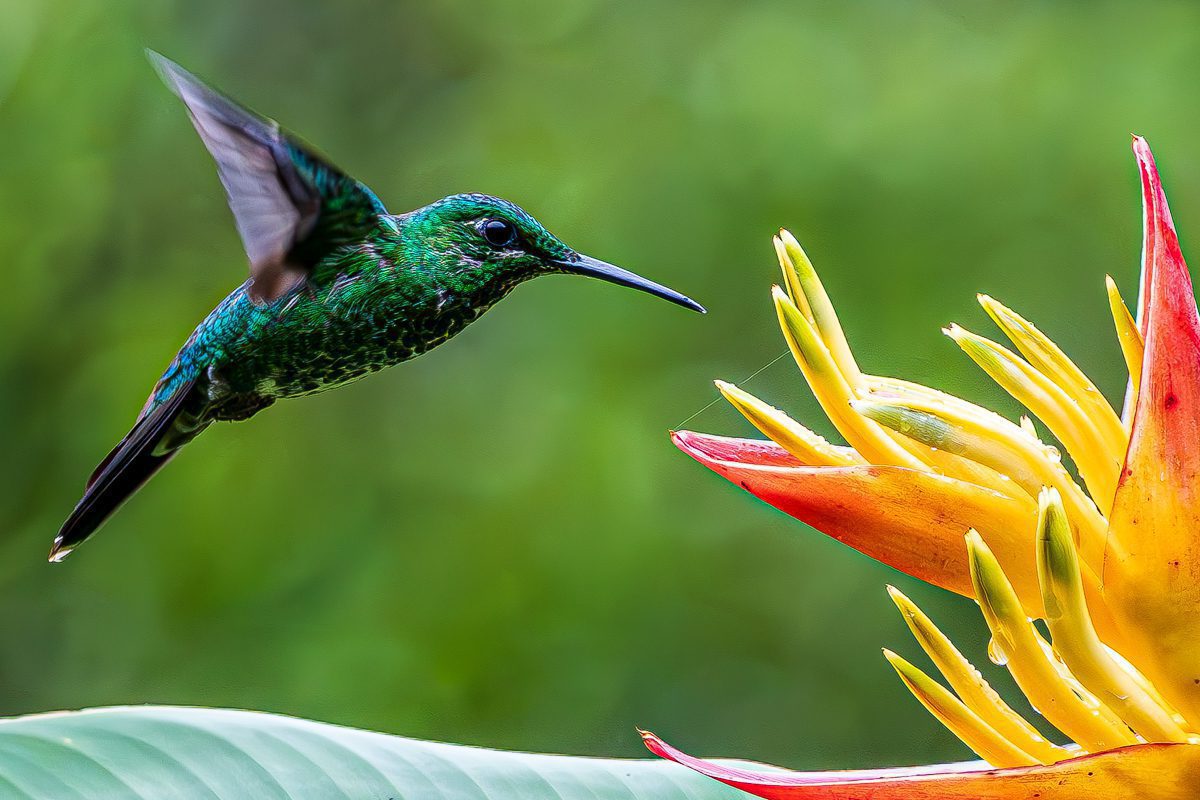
[962, 498]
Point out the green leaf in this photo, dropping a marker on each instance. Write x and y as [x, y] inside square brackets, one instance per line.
[210, 754]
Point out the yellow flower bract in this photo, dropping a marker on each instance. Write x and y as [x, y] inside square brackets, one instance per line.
[1077, 680]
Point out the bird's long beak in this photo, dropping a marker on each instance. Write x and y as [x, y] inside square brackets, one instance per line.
[594, 267]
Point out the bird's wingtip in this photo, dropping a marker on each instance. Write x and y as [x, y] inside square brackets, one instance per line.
[174, 76]
[161, 63]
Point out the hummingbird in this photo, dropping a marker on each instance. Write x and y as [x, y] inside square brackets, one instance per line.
[338, 289]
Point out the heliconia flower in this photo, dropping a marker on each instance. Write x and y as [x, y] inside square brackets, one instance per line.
[967, 500]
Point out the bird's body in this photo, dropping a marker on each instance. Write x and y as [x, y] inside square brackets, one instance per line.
[339, 289]
[367, 306]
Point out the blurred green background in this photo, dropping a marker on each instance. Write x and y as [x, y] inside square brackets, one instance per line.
[497, 544]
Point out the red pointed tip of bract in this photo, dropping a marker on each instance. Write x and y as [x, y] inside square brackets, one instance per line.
[1151, 185]
[663, 750]
[1149, 170]
[682, 440]
[656, 745]
[1152, 193]
[704, 448]
[713, 451]
[688, 441]
[1166, 284]
[1160, 245]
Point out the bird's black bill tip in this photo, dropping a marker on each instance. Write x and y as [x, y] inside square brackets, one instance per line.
[595, 268]
[59, 550]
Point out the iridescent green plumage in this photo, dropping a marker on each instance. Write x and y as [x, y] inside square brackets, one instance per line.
[402, 290]
[339, 289]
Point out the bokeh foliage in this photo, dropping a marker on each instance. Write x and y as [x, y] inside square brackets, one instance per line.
[496, 544]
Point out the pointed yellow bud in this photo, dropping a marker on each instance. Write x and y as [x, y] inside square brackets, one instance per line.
[1047, 358]
[810, 448]
[1133, 346]
[833, 392]
[962, 721]
[791, 281]
[1098, 461]
[823, 316]
[808, 295]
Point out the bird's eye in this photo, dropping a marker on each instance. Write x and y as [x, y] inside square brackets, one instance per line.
[497, 232]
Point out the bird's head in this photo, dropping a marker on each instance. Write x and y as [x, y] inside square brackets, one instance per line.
[480, 240]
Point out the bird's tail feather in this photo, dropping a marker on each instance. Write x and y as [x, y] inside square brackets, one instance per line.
[144, 451]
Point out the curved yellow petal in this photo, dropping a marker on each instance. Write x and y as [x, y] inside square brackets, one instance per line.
[1051, 361]
[1014, 638]
[1133, 346]
[829, 366]
[1075, 638]
[1098, 462]
[969, 685]
[942, 461]
[994, 442]
[832, 390]
[808, 447]
[791, 280]
[958, 718]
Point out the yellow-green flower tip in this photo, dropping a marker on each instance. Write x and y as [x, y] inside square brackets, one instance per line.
[1056, 551]
[992, 588]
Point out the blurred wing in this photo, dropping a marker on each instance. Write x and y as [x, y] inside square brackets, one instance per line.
[290, 206]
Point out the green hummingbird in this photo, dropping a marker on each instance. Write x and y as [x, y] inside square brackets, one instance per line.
[338, 288]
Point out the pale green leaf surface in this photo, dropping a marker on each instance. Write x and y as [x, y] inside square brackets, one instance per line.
[168, 753]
